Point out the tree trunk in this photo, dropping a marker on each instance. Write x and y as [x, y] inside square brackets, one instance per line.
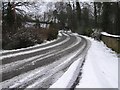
[95, 14]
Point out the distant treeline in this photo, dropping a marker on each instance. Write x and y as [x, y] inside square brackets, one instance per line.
[81, 17]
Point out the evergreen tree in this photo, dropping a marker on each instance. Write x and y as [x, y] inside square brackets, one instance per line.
[111, 17]
[85, 17]
[118, 18]
[74, 19]
[78, 12]
[69, 17]
[10, 17]
[105, 16]
[116, 27]
[95, 14]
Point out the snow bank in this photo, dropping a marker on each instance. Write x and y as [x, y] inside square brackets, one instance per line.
[76, 34]
[69, 31]
[59, 34]
[107, 34]
[69, 77]
[100, 69]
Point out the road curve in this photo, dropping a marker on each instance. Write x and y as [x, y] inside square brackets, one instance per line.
[23, 54]
[43, 65]
[60, 38]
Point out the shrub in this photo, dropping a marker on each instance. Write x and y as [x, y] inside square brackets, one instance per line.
[52, 34]
[21, 39]
[88, 32]
[28, 37]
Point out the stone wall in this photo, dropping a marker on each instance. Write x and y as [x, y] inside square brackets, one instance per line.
[112, 42]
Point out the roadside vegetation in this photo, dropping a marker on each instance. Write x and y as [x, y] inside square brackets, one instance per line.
[21, 28]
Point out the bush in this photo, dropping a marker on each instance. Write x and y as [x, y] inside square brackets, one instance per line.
[28, 37]
[52, 34]
[88, 32]
[6, 41]
[21, 39]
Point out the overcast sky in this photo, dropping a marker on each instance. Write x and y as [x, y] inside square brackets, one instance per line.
[61, 0]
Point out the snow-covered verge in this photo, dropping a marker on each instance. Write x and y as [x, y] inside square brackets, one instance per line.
[107, 34]
[69, 77]
[100, 69]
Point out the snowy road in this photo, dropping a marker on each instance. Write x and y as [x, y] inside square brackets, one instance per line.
[42, 65]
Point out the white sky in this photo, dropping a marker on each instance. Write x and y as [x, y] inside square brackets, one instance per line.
[61, 0]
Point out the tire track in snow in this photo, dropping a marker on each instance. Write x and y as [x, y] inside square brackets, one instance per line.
[43, 78]
[47, 75]
[29, 59]
[41, 82]
[27, 54]
[37, 63]
[21, 63]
